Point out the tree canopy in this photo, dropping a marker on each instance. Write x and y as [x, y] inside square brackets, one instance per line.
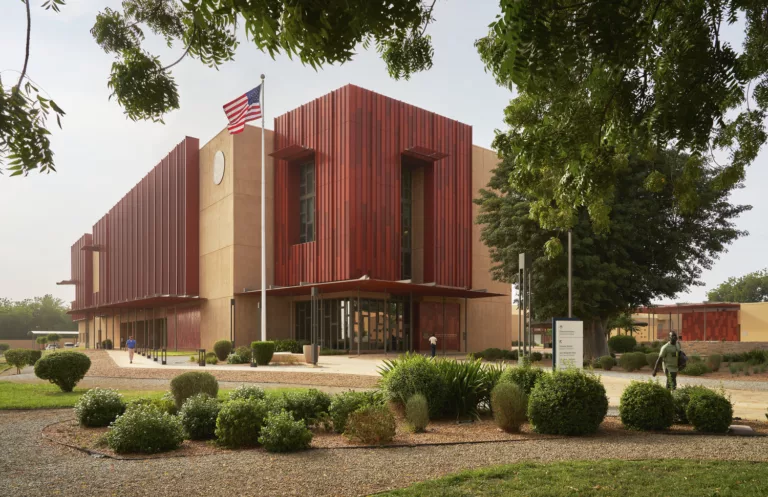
[752, 287]
[653, 249]
[47, 313]
[602, 84]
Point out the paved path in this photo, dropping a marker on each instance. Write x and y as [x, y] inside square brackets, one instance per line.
[31, 466]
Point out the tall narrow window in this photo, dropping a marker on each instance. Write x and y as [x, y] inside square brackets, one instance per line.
[406, 222]
[307, 203]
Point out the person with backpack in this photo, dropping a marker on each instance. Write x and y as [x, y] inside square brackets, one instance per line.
[672, 358]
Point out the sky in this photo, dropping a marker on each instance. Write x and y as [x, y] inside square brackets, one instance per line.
[100, 154]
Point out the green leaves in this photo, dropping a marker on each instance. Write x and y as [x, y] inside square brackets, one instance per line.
[752, 287]
[141, 86]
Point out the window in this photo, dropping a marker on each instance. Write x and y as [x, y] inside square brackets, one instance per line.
[307, 202]
[406, 222]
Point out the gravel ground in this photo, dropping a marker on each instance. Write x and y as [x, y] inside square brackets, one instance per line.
[31, 466]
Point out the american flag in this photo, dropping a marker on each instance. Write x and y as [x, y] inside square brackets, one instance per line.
[243, 109]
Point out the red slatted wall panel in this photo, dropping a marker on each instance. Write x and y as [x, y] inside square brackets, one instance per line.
[721, 325]
[429, 319]
[189, 328]
[359, 137]
[82, 272]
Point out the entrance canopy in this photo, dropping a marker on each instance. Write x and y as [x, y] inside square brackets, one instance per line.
[366, 284]
[147, 302]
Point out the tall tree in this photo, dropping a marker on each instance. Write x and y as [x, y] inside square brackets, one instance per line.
[317, 33]
[602, 84]
[652, 250]
[752, 287]
[47, 313]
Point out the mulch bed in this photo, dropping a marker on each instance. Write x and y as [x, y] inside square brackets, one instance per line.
[70, 433]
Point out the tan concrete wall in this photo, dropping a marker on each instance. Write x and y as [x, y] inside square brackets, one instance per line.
[492, 321]
[753, 318]
[24, 344]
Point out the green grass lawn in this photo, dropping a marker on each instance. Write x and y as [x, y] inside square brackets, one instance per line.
[672, 478]
[48, 396]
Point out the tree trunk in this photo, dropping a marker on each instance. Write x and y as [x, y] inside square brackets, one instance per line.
[595, 342]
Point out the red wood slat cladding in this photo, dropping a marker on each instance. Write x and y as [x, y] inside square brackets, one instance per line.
[150, 239]
[721, 325]
[429, 319]
[82, 272]
[359, 137]
[189, 328]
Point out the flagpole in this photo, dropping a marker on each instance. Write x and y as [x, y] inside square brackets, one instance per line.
[263, 222]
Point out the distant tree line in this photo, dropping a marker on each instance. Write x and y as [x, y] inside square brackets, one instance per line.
[18, 318]
[752, 287]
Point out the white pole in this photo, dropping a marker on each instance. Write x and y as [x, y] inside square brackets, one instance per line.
[263, 222]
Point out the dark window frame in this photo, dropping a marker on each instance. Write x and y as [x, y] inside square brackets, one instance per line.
[307, 201]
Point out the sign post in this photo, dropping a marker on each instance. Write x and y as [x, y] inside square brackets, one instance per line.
[567, 343]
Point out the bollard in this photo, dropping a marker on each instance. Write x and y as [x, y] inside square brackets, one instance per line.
[201, 357]
[163, 357]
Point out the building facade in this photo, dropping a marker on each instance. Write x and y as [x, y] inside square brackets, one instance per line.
[371, 244]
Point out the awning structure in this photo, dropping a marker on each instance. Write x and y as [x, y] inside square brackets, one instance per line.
[153, 301]
[376, 286]
[293, 153]
[424, 153]
[93, 248]
[686, 308]
[67, 282]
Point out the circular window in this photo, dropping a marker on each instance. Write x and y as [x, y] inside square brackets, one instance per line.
[218, 167]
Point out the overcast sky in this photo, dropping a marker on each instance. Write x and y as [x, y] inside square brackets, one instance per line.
[100, 154]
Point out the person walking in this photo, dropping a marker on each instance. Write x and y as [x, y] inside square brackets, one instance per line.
[131, 345]
[433, 344]
[671, 357]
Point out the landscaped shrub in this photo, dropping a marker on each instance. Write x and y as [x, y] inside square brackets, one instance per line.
[106, 344]
[694, 358]
[247, 392]
[243, 354]
[372, 425]
[4, 347]
[308, 406]
[99, 407]
[64, 369]
[696, 369]
[651, 359]
[34, 356]
[681, 397]
[490, 354]
[192, 383]
[536, 356]
[164, 404]
[491, 375]
[18, 358]
[646, 406]
[263, 351]
[463, 383]
[281, 433]
[237, 359]
[291, 346]
[410, 374]
[510, 405]
[622, 343]
[642, 348]
[710, 412]
[145, 429]
[607, 362]
[239, 423]
[345, 403]
[632, 361]
[417, 412]
[523, 376]
[198, 416]
[222, 348]
[755, 356]
[714, 361]
[210, 358]
[567, 402]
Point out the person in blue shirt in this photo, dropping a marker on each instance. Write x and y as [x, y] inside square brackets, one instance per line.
[131, 345]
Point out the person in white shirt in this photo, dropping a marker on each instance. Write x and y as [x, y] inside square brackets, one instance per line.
[433, 343]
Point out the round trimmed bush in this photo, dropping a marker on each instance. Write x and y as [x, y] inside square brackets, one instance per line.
[247, 392]
[18, 358]
[607, 362]
[198, 416]
[145, 429]
[696, 369]
[263, 352]
[281, 433]
[4, 347]
[345, 403]
[192, 383]
[222, 348]
[510, 405]
[242, 355]
[308, 406]
[632, 361]
[239, 423]
[64, 369]
[34, 356]
[164, 404]
[567, 402]
[682, 397]
[99, 407]
[622, 343]
[411, 374]
[710, 412]
[417, 412]
[106, 344]
[536, 356]
[211, 358]
[651, 358]
[714, 361]
[372, 425]
[525, 377]
[646, 406]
